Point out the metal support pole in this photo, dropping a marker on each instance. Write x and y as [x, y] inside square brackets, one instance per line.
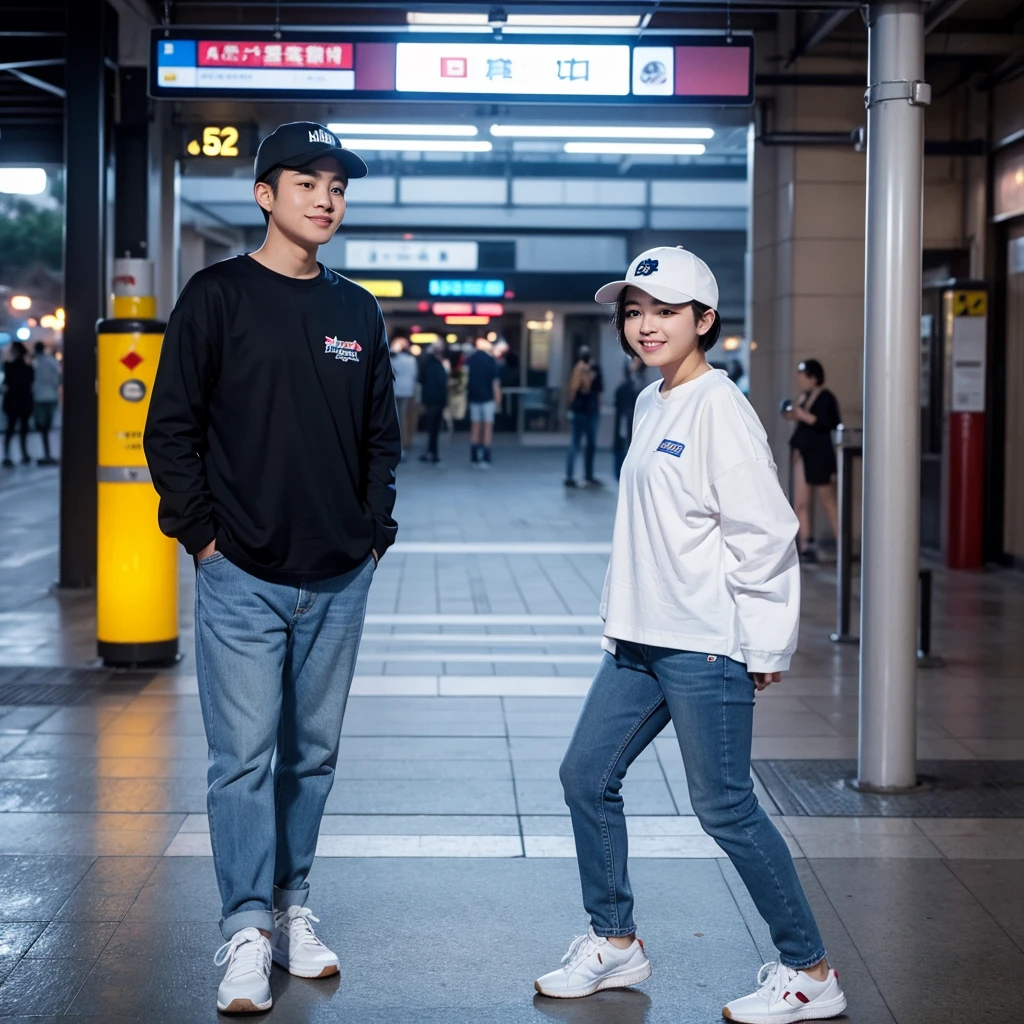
[84, 263]
[895, 100]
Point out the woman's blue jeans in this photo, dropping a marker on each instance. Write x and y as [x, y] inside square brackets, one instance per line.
[710, 701]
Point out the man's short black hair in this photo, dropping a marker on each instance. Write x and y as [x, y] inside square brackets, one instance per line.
[704, 341]
[273, 177]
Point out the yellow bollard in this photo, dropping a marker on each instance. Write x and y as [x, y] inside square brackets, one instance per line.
[137, 566]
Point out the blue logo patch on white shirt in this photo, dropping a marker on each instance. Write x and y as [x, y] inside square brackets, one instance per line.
[671, 447]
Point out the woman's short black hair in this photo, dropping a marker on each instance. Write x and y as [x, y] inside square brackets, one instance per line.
[704, 341]
[813, 369]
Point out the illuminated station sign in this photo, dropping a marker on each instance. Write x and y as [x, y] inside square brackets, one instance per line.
[657, 70]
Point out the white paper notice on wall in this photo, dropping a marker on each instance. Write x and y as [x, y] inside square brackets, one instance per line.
[969, 334]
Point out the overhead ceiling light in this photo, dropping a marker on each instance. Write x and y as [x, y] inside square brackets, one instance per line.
[348, 128]
[637, 148]
[418, 145]
[529, 20]
[433, 18]
[582, 131]
[22, 181]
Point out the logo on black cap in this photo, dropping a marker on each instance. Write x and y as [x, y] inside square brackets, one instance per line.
[322, 135]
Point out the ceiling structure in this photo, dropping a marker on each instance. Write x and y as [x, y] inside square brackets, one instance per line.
[970, 42]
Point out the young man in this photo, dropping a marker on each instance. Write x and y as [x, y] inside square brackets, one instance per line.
[484, 399]
[273, 440]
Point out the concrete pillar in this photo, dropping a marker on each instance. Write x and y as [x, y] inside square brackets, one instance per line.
[164, 207]
[807, 278]
[85, 262]
[896, 100]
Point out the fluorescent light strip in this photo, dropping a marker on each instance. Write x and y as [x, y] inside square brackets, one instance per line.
[529, 20]
[22, 181]
[637, 148]
[418, 145]
[582, 131]
[347, 128]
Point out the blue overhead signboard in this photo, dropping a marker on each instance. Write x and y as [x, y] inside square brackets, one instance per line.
[197, 63]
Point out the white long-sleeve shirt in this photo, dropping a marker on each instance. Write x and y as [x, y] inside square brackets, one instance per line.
[703, 553]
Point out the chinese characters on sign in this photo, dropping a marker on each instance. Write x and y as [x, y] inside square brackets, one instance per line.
[499, 68]
[574, 70]
[220, 54]
[553, 69]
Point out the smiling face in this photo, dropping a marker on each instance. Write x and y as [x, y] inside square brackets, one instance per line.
[307, 205]
[661, 334]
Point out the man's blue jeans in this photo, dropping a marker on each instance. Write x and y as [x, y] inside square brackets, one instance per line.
[710, 701]
[275, 664]
[584, 428]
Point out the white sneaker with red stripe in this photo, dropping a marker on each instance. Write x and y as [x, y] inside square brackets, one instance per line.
[592, 964]
[296, 948]
[786, 995]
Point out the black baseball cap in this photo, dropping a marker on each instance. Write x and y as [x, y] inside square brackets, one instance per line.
[299, 143]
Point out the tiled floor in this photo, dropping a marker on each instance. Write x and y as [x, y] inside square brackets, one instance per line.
[446, 876]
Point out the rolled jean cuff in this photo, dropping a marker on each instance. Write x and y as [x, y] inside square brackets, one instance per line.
[612, 933]
[230, 926]
[285, 898]
[802, 965]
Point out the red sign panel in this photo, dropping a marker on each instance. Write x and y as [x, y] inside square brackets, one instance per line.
[220, 53]
[490, 309]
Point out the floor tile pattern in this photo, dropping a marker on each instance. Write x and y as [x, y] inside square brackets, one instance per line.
[446, 877]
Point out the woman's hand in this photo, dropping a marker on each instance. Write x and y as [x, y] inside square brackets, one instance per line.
[762, 680]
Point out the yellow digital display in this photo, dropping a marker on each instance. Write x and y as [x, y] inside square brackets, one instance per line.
[214, 141]
[383, 289]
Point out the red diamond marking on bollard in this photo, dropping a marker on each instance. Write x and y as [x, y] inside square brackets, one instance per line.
[131, 360]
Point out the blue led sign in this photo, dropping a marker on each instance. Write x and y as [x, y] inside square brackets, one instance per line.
[470, 289]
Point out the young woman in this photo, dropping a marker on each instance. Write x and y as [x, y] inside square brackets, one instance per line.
[701, 608]
[816, 414]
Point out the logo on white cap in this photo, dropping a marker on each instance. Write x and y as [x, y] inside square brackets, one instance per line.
[671, 274]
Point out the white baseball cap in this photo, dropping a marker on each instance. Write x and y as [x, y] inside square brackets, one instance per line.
[671, 274]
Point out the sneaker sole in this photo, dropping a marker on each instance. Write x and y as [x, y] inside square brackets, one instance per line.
[245, 1006]
[817, 1011]
[322, 972]
[625, 980]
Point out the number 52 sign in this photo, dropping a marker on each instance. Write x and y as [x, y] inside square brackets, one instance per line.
[219, 141]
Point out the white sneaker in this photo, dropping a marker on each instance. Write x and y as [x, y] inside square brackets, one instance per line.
[297, 949]
[593, 963]
[786, 995]
[246, 984]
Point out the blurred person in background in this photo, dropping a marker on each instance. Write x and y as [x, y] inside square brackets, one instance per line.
[46, 395]
[17, 403]
[434, 395]
[625, 402]
[484, 391]
[816, 415]
[583, 400]
[458, 399]
[406, 370]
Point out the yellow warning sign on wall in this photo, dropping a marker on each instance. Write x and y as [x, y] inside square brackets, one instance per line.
[970, 303]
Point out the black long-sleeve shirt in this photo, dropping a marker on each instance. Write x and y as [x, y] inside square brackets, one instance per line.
[272, 427]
